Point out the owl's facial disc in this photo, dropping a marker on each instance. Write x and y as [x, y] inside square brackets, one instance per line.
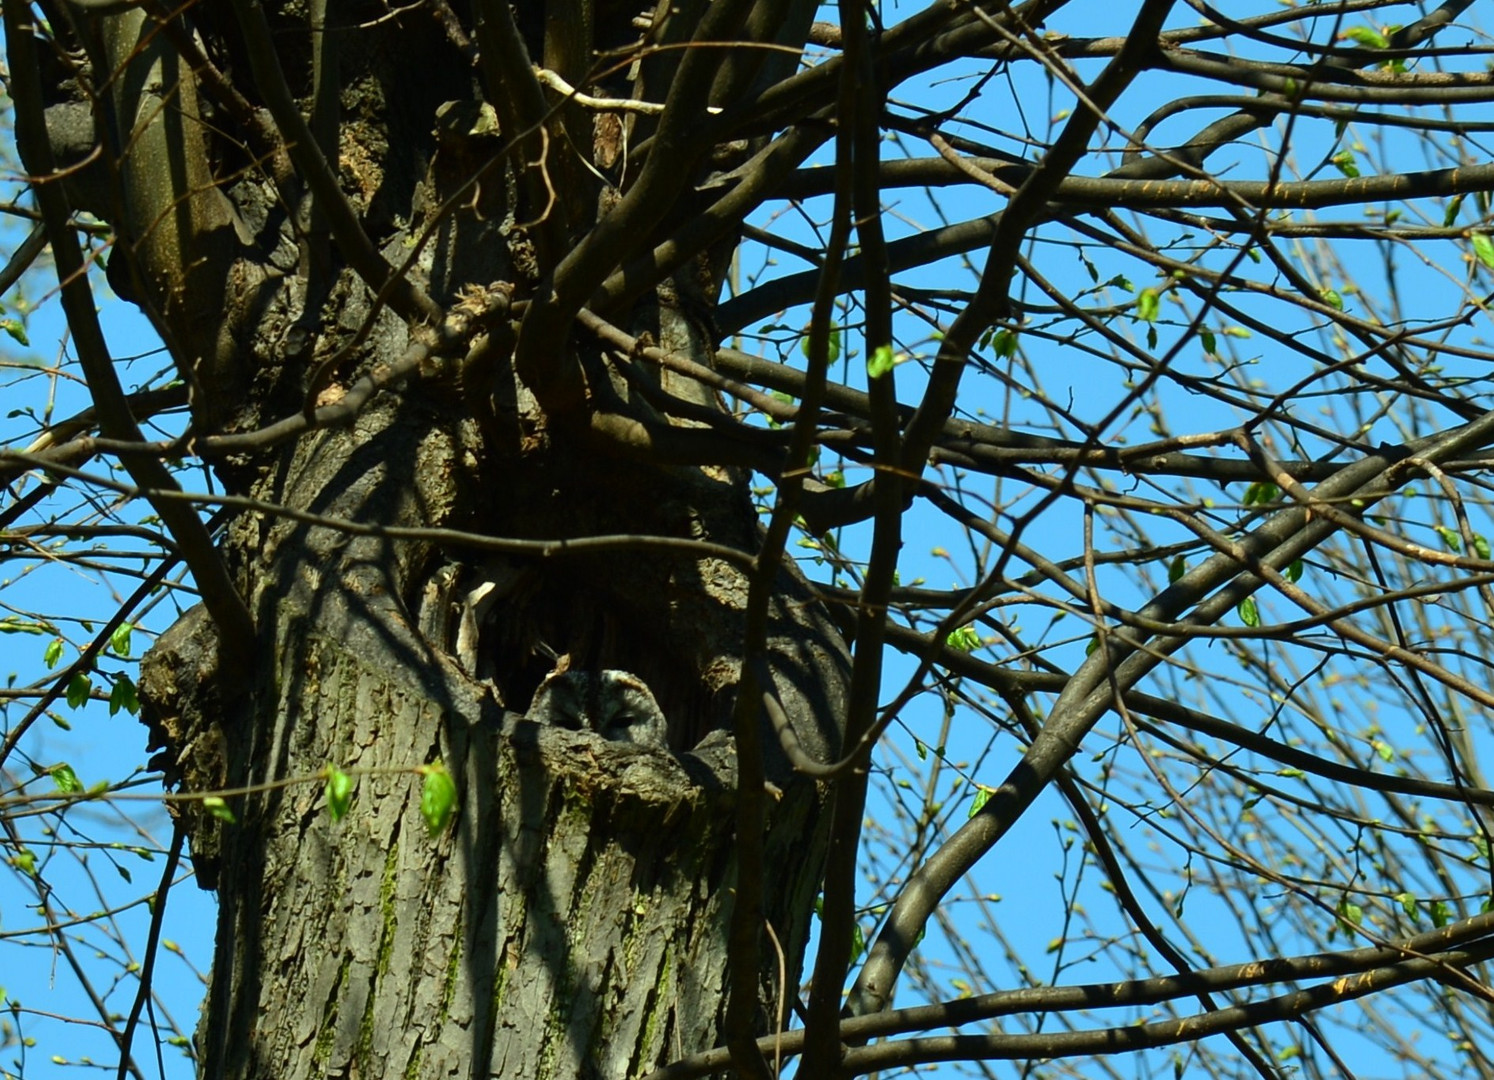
[626, 726]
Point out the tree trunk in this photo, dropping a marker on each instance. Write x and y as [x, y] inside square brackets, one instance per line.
[572, 919]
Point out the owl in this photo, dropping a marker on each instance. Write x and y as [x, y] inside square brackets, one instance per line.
[615, 704]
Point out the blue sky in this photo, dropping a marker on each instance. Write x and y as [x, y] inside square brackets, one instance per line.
[1046, 890]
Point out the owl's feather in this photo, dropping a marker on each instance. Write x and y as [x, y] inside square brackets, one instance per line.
[615, 704]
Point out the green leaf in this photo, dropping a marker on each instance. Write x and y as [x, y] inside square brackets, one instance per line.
[119, 641]
[858, 941]
[78, 688]
[1441, 914]
[1006, 344]
[12, 625]
[53, 653]
[965, 639]
[66, 780]
[880, 362]
[1450, 538]
[1148, 303]
[1249, 614]
[1451, 213]
[340, 788]
[1480, 546]
[1176, 569]
[1384, 749]
[1206, 337]
[1367, 36]
[1350, 913]
[14, 328]
[1344, 163]
[832, 346]
[1294, 572]
[1483, 247]
[437, 797]
[216, 806]
[1261, 493]
[122, 695]
[1331, 298]
[982, 796]
[24, 861]
[1407, 901]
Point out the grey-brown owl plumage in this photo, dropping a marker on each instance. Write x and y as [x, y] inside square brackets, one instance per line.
[615, 704]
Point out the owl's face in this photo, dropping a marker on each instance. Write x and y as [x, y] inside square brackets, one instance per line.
[615, 704]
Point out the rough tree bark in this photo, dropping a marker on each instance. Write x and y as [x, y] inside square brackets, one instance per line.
[573, 919]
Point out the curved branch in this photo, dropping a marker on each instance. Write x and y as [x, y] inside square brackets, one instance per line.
[1116, 668]
[515, 94]
[1171, 1032]
[1077, 192]
[218, 591]
[1434, 945]
[405, 296]
[24, 255]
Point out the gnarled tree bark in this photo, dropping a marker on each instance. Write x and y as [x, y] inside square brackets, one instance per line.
[573, 919]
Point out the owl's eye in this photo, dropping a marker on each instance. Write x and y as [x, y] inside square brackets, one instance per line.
[620, 723]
